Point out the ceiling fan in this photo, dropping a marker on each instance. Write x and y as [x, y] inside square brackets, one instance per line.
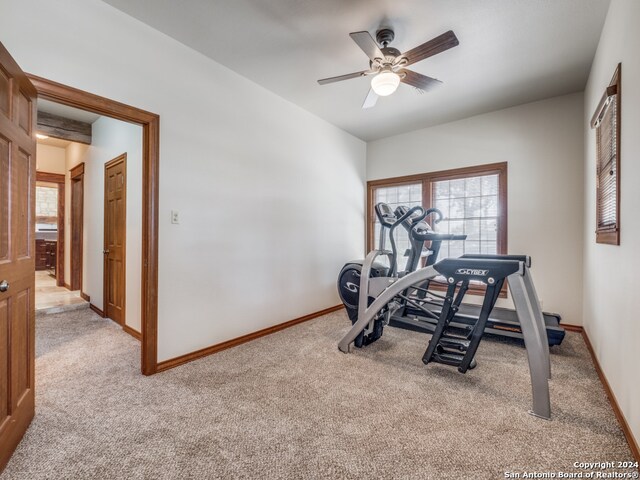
[387, 64]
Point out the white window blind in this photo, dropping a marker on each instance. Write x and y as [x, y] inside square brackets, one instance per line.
[607, 168]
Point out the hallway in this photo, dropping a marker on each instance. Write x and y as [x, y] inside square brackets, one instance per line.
[53, 299]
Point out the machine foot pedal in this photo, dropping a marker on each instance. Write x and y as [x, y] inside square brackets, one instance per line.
[454, 343]
[363, 340]
[448, 358]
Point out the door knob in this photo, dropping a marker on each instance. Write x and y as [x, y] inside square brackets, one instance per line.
[4, 286]
[106, 252]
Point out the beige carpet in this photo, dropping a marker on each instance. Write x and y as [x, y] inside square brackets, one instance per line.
[290, 405]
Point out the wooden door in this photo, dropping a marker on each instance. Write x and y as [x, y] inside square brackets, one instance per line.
[17, 253]
[77, 226]
[115, 234]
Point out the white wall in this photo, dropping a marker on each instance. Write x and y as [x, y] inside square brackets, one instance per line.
[611, 280]
[50, 159]
[271, 197]
[110, 138]
[542, 143]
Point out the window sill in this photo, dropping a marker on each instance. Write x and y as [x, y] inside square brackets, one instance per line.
[608, 237]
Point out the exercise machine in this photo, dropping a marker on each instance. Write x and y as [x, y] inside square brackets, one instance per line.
[350, 275]
[380, 297]
[503, 322]
[421, 307]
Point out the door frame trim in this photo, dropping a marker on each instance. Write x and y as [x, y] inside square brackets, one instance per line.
[115, 161]
[150, 123]
[58, 179]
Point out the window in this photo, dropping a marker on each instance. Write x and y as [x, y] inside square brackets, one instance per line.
[46, 201]
[606, 121]
[473, 202]
[470, 207]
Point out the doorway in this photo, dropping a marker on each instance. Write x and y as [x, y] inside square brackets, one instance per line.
[149, 122]
[50, 221]
[77, 226]
[115, 238]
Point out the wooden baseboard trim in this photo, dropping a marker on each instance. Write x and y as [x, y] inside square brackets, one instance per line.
[84, 296]
[134, 333]
[189, 357]
[67, 286]
[633, 445]
[572, 328]
[96, 309]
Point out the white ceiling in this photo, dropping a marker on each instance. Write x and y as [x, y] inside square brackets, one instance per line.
[511, 51]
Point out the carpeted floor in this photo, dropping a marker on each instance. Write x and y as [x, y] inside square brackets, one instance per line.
[290, 405]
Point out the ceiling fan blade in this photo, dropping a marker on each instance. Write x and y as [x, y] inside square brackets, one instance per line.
[418, 80]
[368, 45]
[370, 101]
[324, 81]
[434, 46]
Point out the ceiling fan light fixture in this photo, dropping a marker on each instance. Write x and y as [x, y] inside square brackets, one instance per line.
[385, 83]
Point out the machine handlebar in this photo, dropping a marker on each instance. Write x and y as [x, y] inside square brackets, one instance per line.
[437, 212]
[394, 249]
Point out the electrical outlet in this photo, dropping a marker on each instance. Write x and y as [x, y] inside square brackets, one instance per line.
[175, 217]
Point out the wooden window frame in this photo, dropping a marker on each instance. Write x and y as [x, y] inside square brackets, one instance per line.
[427, 180]
[609, 235]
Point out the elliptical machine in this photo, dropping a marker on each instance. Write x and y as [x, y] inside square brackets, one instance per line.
[413, 219]
[376, 293]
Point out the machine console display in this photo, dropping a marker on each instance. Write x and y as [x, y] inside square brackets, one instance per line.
[385, 214]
